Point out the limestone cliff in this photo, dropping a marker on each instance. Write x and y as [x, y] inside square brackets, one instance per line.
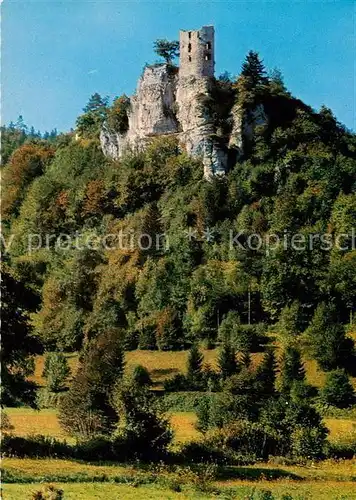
[165, 103]
[198, 130]
[151, 112]
[244, 125]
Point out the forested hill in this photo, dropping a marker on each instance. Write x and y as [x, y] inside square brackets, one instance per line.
[81, 230]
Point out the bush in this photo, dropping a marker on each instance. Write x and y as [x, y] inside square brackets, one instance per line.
[102, 448]
[39, 446]
[301, 391]
[143, 425]
[299, 428]
[345, 451]
[185, 401]
[250, 338]
[338, 390]
[177, 383]
[242, 383]
[35, 447]
[141, 376]
[249, 439]
[222, 409]
[56, 371]
[201, 451]
[308, 443]
[47, 399]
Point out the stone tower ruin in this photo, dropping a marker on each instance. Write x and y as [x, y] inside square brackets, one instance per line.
[170, 102]
[197, 52]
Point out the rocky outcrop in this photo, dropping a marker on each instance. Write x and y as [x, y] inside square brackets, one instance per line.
[151, 112]
[153, 104]
[166, 103]
[244, 125]
[112, 143]
[198, 130]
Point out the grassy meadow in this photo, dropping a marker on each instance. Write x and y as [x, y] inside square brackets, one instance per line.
[166, 364]
[78, 480]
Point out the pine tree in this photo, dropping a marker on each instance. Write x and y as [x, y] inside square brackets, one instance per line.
[87, 409]
[95, 113]
[276, 82]
[290, 324]
[195, 364]
[96, 104]
[166, 49]
[326, 339]
[227, 360]
[246, 359]
[292, 368]
[266, 374]
[338, 390]
[21, 125]
[253, 69]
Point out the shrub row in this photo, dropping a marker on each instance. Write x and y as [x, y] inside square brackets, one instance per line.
[38, 446]
[186, 401]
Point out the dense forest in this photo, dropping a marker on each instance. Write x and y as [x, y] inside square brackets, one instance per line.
[102, 257]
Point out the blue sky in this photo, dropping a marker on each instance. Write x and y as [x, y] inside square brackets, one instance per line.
[55, 54]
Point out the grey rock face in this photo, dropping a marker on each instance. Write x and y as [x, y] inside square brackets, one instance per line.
[244, 124]
[168, 102]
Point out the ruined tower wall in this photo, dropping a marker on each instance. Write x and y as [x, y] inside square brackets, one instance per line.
[197, 52]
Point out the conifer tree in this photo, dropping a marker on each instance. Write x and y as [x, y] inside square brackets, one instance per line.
[87, 409]
[338, 390]
[289, 324]
[96, 104]
[266, 374]
[253, 69]
[195, 364]
[166, 49]
[227, 360]
[326, 339]
[276, 82]
[292, 369]
[246, 359]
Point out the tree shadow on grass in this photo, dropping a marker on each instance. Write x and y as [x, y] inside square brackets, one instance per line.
[255, 474]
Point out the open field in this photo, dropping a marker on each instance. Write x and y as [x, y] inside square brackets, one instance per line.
[33, 469]
[247, 490]
[335, 480]
[166, 364]
[91, 491]
[27, 421]
[329, 479]
[341, 430]
[161, 365]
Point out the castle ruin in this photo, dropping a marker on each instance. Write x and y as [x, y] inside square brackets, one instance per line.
[196, 50]
[168, 102]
